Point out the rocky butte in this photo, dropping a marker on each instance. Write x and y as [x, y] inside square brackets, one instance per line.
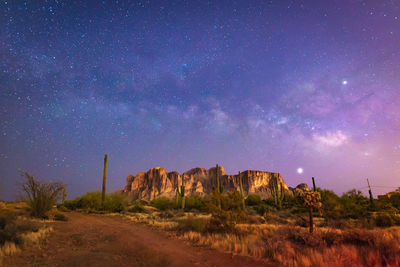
[157, 182]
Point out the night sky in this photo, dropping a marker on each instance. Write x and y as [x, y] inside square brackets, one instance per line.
[265, 85]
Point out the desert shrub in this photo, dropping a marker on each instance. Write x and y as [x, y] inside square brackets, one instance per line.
[384, 220]
[114, 202]
[253, 200]
[11, 229]
[60, 217]
[395, 201]
[193, 224]
[263, 208]
[136, 207]
[163, 203]
[40, 196]
[301, 237]
[90, 200]
[166, 214]
[195, 202]
[354, 205]
[224, 218]
[254, 219]
[330, 204]
[300, 221]
[142, 202]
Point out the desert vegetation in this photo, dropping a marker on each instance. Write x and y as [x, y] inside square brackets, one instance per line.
[18, 229]
[347, 229]
[303, 228]
[26, 223]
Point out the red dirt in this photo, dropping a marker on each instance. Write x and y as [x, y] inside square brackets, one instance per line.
[101, 240]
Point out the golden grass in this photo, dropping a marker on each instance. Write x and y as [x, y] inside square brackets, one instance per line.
[293, 245]
[33, 238]
[8, 249]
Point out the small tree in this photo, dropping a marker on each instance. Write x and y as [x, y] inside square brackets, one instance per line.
[40, 196]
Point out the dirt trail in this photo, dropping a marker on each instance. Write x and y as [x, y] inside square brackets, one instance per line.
[99, 240]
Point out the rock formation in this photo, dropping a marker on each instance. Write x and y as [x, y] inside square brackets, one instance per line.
[157, 182]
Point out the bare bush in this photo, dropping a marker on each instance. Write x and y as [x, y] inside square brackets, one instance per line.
[40, 196]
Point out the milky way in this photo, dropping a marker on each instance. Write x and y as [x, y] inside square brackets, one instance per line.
[265, 85]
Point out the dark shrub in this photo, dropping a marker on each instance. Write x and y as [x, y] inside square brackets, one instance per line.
[40, 196]
[193, 224]
[166, 214]
[12, 229]
[195, 202]
[253, 200]
[330, 204]
[353, 205]
[136, 208]
[263, 208]
[115, 202]
[60, 217]
[142, 202]
[384, 220]
[162, 203]
[224, 219]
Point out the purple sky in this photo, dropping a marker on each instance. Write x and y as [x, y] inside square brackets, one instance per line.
[265, 85]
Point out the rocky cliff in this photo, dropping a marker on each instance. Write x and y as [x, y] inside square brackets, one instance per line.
[157, 182]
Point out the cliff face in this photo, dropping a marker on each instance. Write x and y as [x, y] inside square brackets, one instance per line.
[157, 182]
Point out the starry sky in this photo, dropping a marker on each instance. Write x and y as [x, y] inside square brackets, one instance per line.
[265, 85]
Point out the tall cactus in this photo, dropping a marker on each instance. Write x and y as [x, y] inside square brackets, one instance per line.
[241, 189]
[103, 193]
[278, 192]
[64, 196]
[183, 192]
[217, 176]
[220, 187]
[313, 183]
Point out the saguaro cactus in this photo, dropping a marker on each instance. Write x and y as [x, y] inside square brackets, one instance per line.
[64, 196]
[220, 187]
[183, 192]
[278, 192]
[313, 183]
[103, 193]
[217, 176]
[241, 189]
[177, 196]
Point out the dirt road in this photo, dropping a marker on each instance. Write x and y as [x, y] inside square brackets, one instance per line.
[100, 240]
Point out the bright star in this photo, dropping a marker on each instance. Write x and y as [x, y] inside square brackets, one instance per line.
[300, 170]
[344, 82]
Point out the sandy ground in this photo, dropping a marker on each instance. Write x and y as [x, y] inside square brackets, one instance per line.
[101, 240]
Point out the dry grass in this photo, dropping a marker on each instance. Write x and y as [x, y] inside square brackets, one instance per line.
[18, 231]
[293, 245]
